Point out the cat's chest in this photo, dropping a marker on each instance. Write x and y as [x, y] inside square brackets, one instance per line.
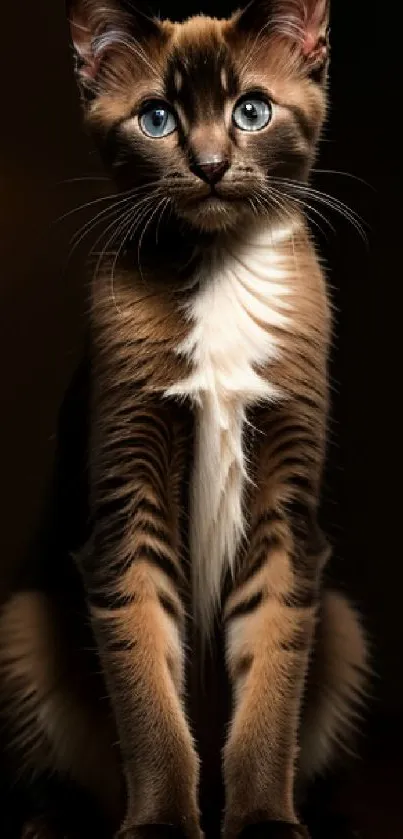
[237, 318]
[240, 309]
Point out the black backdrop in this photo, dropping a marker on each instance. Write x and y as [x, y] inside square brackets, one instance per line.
[42, 309]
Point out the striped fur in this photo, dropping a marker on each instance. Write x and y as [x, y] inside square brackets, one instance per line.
[208, 434]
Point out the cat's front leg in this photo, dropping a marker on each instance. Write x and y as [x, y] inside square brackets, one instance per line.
[270, 620]
[135, 583]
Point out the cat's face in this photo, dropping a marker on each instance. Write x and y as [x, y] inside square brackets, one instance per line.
[208, 115]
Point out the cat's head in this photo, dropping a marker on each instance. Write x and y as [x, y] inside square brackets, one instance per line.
[210, 115]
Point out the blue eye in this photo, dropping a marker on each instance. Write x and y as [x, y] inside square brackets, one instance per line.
[252, 114]
[157, 121]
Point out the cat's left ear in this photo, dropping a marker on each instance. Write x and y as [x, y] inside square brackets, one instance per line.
[303, 22]
[99, 28]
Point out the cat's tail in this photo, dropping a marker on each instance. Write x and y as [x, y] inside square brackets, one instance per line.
[50, 719]
[337, 687]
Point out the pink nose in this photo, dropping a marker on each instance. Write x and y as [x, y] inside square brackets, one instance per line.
[210, 169]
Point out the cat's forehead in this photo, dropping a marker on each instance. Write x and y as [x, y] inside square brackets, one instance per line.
[200, 69]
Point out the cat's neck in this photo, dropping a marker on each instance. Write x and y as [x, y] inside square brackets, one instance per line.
[175, 248]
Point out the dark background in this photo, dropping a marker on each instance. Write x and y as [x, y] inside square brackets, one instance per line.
[42, 308]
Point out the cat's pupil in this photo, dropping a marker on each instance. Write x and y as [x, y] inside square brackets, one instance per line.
[249, 111]
[158, 117]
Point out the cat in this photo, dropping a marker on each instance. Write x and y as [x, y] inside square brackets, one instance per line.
[210, 328]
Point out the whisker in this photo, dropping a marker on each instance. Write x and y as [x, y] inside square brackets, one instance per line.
[344, 175]
[117, 195]
[276, 202]
[136, 211]
[116, 224]
[167, 201]
[104, 213]
[328, 201]
[83, 178]
[127, 228]
[89, 225]
[146, 226]
[305, 206]
[87, 228]
[94, 222]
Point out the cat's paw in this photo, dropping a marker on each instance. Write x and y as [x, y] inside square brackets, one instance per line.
[36, 829]
[337, 832]
[49, 827]
[275, 830]
[43, 828]
[334, 827]
[155, 831]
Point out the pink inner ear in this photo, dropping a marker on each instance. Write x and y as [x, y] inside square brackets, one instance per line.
[82, 39]
[310, 42]
[316, 19]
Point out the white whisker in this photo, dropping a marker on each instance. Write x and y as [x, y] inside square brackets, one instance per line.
[343, 175]
[117, 195]
[146, 226]
[304, 206]
[326, 200]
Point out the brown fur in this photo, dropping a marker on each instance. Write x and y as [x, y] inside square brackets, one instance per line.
[137, 568]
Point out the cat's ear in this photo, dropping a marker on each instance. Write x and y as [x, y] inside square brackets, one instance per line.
[98, 28]
[303, 22]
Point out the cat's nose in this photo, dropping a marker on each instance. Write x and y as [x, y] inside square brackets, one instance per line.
[210, 168]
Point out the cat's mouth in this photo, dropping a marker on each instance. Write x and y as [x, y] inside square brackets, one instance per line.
[216, 196]
[213, 209]
[213, 195]
[214, 200]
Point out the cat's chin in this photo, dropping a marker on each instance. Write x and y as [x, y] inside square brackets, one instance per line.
[214, 215]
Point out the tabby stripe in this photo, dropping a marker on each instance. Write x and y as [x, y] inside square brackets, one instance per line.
[165, 564]
[110, 511]
[245, 607]
[160, 557]
[269, 517]
[157, 529]
[269, 544]
[144, 470]
[120, 433]
[302, 390]
[159, 423]
[301, 463]
[303, 484]
[150, 508]
[120, 645]
[169, 605]
[295, 645]
[291, 443]
[287, 426]
[108, 600]
[125, 455]
[151, 459]
[242, 666]
[153, 440]
[305, 598]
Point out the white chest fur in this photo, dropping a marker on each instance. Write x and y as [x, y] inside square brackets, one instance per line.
[242, 295]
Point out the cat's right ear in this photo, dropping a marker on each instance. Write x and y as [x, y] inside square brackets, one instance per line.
[304, 23]
[98, 29]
